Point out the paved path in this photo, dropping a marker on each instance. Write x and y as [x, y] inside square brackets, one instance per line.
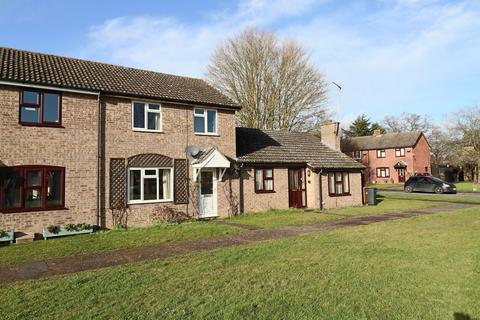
[65, 265]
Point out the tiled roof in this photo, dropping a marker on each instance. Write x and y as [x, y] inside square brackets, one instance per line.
[282, 147]
[45, 69]
[384, 141]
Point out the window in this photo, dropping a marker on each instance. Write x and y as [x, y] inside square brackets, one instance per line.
[357, 154]
[146, 117]
[204, 121]
[399, 152]
[147, 185]
[40, 108]
[381, 153]
[338, 184]
[264, 180]
[32, 188]
[383, 172]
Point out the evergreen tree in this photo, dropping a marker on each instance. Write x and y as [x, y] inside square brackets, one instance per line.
[362, 126]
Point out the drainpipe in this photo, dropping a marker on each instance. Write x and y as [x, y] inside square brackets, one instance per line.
[320, 196]
[99, 160]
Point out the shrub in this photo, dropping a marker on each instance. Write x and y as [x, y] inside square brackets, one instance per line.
[167, 213]
[53, 229]
[3, 233]
[83, 226]
[71, 227]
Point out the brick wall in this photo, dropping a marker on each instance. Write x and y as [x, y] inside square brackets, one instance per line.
[177, 132]
[73, 146]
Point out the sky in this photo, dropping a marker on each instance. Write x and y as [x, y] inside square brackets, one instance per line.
[389, 56]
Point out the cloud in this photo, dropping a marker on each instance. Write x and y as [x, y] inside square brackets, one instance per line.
[390, 57]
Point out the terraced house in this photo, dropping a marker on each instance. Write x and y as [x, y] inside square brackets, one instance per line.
[83, 141]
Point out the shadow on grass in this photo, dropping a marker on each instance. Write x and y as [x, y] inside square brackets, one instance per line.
[462, 316]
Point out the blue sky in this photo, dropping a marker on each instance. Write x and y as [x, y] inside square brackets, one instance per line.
[390, 56]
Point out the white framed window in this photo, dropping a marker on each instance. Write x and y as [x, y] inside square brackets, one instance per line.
[399, 152]
[204, 121]
[357, 154]
[148, 185]
[383, 172]
[146, 116]
[381, 153]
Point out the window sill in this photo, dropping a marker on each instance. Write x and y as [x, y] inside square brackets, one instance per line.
[207, 134]
[6, 211]
[48, 125]
[150, 201]
[339, 195]
[148, 131]
[266, 191]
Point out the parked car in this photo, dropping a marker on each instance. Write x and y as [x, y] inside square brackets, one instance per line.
[419, 183]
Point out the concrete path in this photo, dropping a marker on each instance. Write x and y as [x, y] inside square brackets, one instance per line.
[66, 265]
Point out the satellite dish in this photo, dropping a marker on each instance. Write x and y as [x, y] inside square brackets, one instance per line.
[192, 151]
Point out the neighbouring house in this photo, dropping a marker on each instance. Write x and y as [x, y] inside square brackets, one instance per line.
[88, 142]
[296, 169]
[390, 157]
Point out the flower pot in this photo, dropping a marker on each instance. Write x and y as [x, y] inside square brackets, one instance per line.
[63, 232]
[9, 236]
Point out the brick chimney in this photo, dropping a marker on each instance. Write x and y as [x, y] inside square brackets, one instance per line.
[377, 133]
[330, 134]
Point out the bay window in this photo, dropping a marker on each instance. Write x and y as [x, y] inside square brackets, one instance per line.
[338, 184]
[146, 117]
[204, 121]
[146, 185]
[32, 188]
[264, 180]
[40, 108]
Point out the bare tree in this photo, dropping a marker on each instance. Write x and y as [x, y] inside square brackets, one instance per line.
[442, 146]
[467, 129]
[274, 82]
[408, 122]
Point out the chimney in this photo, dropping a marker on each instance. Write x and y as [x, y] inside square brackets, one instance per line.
[330, 134]
[377, 133]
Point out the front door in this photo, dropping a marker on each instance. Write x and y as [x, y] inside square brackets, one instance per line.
[401, 174]
[208, 193]
[297, 193]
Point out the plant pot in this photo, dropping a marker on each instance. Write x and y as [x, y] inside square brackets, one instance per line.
[9, 237]
[63, 232]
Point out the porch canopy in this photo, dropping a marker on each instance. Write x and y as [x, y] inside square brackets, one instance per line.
[210, 158]
[400, 165]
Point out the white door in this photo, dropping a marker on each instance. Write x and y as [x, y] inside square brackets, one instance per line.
[208, 193]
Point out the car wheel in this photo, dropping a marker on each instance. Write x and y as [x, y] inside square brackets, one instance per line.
[438, 190]
[408, 189]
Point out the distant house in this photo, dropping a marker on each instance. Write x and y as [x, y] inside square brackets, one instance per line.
[391, 157]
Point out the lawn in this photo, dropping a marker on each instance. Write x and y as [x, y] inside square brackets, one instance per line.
[428, 197]
[282, 218]
[425, 267]
[110, 240]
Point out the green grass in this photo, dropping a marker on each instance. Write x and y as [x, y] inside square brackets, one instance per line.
[389, 186]
[110, 240]
[282, 218]
[461, 186]
[426, 267]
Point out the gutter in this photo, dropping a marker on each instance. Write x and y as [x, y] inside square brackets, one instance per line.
[320, 196]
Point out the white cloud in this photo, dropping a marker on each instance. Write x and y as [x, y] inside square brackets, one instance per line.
[407, 55]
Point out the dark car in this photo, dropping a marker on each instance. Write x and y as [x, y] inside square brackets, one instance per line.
[420, 183]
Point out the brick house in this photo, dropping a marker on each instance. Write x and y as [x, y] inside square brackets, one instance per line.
[390, 157]
[296, 169]
[88, 142]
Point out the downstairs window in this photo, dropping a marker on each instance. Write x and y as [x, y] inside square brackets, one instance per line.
[147, 185]
[32, 188]
[338, 184]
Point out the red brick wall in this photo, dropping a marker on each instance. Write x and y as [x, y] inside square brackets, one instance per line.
[416, 158]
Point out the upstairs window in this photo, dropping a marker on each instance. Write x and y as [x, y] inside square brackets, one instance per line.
[32, 188]
[40, 108]
[399, 152]
[204, 121]
[357, 154]
[263, 180]
[146, 117]
[381, 153]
